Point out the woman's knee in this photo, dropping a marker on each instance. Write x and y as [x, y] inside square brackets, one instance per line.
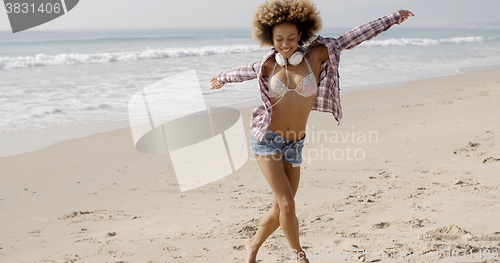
[286, 205]
[274, 209]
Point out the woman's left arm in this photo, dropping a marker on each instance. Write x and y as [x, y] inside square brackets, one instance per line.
[371, 29]
[361, 33]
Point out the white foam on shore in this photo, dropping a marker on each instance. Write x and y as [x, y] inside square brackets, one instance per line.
[40, 60]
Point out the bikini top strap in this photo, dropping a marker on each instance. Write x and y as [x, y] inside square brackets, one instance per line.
[273, 70]
[308, 66]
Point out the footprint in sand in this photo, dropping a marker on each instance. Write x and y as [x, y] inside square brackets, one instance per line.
[381, 225]
[472, 146]
[96, 215]
[492, 237]
[384, 174]
[491, 159]
[451, 232]
[418, 223]
[466, 182]
[35, 233]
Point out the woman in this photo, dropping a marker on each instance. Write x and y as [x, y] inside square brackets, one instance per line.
[293, 80]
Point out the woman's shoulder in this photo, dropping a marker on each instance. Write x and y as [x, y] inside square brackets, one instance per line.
[320, 40]
[317, 50]
[267, 67]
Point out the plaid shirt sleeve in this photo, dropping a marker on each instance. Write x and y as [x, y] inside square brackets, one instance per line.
[366, 31]
[239, 74]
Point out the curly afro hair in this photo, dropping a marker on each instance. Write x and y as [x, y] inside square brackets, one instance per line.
[301, 13]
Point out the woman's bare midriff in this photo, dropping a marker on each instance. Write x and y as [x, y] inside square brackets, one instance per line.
[289, 116]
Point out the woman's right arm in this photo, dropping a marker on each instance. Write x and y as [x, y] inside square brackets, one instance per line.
[238, 74]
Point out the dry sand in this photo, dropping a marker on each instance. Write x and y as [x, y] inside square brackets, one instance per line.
[420, 175]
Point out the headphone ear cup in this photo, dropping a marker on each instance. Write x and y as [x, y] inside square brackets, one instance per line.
[296, 58]
[280, 59]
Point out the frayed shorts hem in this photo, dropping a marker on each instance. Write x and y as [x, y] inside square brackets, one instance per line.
[263, 154]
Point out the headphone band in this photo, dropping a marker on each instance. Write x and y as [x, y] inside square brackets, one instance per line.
[294, 60]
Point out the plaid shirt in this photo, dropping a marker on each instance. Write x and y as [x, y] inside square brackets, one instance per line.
[328, 93]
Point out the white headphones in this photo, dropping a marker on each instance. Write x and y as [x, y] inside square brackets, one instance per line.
[294, 60]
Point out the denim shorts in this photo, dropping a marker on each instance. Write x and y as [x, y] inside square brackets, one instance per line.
[272, 143]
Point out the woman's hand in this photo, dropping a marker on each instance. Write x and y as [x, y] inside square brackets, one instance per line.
[404, 15]
[215, 84]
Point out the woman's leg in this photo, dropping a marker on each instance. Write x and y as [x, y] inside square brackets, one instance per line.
[284, 181]
[270, 221]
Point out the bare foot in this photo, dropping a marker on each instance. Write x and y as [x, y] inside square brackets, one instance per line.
[301, 258]
[252, 251]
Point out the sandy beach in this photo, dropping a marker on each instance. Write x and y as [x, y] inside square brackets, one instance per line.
[411, 171]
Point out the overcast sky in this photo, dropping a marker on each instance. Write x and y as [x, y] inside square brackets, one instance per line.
[237, 13]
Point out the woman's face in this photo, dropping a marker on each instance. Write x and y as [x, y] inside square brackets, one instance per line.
[286, 39]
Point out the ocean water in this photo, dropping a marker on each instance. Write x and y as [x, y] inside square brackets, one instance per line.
[79, 77]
